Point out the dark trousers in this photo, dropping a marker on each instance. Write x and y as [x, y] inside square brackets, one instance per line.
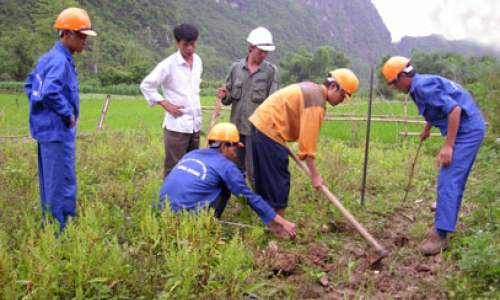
[219, 204]
[270, 163]
[244, 159]
[177, 144]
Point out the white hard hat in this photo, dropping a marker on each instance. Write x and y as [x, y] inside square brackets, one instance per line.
[261, 38]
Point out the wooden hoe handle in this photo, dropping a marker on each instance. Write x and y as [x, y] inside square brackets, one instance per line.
[340, 207]
[215, 114]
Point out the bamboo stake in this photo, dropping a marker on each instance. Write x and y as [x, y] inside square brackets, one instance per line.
[367, 145]
[215, 114]
[363, 115]
[418, 134]
[103, 113]
[406, 118]
[241, 225]
[377, 120]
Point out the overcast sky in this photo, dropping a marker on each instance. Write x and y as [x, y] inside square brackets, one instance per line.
[477, 20]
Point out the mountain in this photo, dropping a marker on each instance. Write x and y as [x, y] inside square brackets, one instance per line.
[134, 35]
[440, 43]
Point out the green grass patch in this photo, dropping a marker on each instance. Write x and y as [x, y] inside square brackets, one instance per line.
[117, 248]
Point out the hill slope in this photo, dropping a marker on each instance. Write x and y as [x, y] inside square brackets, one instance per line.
[135, 35]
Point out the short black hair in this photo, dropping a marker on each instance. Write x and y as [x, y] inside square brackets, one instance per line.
[185, 32]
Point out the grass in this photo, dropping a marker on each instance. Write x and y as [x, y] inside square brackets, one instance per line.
[117, 248]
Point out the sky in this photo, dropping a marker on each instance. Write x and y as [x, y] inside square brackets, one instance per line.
[477, 20]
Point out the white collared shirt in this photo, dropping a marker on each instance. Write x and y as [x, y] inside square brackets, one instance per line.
[180, 85]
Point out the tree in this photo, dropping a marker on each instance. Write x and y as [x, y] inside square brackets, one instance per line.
[305, 66]
[382, 86]
[431, 63]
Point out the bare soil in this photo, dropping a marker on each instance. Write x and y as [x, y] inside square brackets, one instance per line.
[317, 273]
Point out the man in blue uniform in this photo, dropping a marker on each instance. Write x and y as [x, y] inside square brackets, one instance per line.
[52, 91]
[446, 105]
[208, 177]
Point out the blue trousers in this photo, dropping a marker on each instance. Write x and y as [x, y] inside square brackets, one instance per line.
[57, 176]
[270, 163]
[453, 178]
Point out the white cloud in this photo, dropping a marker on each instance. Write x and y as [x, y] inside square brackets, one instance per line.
[477, 20]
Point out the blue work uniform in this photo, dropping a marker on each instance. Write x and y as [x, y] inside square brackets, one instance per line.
[435, 98]
[52, 91]
[201, 177]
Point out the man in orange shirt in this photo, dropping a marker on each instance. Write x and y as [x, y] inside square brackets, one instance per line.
[293, 113]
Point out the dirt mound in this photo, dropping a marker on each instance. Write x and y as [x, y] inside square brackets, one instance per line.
[318, 272]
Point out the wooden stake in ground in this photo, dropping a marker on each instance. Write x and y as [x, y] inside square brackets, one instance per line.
[344, 212]
[411, 172]
[215, 114]
[103, 113]
[406, 119]
[367, 145]
[241, 225]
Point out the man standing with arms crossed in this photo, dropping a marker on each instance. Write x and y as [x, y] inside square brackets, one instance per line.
[52, 90]
[179, 76]
[249, 82]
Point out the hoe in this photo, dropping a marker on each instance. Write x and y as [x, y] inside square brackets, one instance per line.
[344, 212]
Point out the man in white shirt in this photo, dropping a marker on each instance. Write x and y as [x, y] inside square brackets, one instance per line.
[179, 76]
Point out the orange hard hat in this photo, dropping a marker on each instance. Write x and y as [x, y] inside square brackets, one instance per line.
[346, 79]
[76, 19]
[225, 132]
[393, 66]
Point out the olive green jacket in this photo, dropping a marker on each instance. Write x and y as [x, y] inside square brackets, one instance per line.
[247, 91]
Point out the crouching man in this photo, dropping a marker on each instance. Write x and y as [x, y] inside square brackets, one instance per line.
[208, 177]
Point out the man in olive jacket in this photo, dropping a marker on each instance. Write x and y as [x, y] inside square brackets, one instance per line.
[249, 82]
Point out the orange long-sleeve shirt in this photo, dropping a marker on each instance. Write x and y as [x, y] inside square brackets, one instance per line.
[293, 113]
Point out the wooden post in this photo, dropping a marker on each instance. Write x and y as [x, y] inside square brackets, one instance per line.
[367, 146]
[103, 113]
[215, 114]
[406, 118]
